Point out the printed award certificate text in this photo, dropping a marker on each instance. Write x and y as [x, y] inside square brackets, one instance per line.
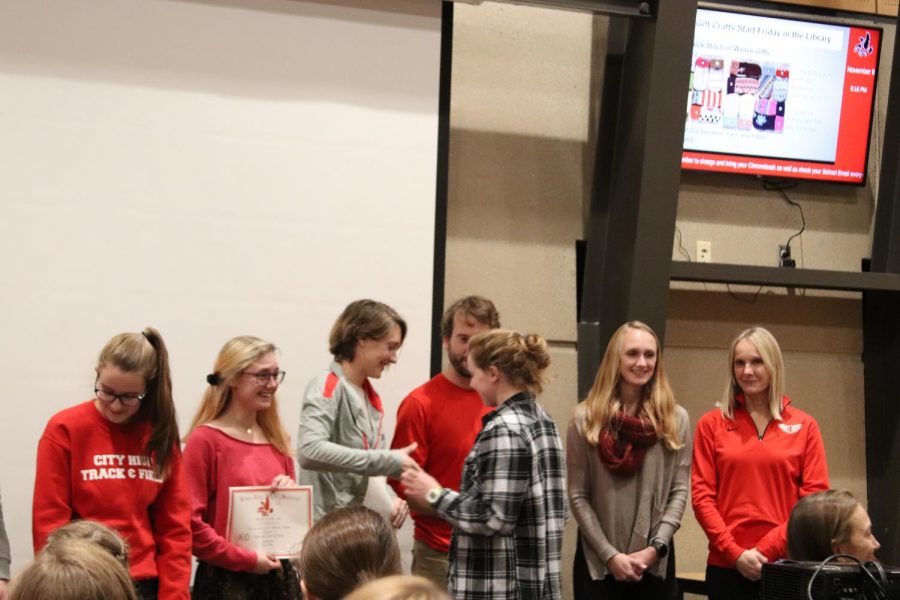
[272, 520]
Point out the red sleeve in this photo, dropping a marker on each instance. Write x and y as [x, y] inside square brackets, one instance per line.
[705, 489]
[171, 519]
[813, 479]
[52, 503]
[411, 425]
[289, 467]
[200, 472]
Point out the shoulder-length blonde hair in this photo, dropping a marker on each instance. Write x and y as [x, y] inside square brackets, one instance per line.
[768, 349]
[236, 355]
[602, 401]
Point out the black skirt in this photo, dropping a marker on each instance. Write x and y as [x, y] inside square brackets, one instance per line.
[216, 583]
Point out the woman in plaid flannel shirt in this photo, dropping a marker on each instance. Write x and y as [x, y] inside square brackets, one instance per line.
[509, 514]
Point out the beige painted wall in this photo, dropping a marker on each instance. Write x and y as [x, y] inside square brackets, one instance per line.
[524, 101]
[519, 131]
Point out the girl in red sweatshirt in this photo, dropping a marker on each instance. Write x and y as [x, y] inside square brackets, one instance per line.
[754, 457]
[116, 459]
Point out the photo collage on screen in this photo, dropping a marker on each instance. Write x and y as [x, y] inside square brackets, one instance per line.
[738, 94]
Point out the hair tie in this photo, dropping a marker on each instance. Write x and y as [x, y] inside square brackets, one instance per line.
[213, 379]
[147, 337]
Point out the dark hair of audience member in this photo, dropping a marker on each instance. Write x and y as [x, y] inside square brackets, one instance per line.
[817, 522]
[73, 569]
[345, 548]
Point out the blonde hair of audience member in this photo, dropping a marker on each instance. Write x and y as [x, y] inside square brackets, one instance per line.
[399, 587]
[602, 401]
[73, 569]
[145, 354]
[362, 320]
[521, 359]
[830, 522]
[345, 548]
[94, 532]
[770, 352]
[235, 356]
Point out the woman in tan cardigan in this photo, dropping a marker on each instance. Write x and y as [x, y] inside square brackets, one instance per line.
[628, 457]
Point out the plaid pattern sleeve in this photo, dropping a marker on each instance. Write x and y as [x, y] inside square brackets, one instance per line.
[509, 514]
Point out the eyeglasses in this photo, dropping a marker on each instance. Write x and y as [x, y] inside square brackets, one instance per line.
[129, 399]
[263, 377]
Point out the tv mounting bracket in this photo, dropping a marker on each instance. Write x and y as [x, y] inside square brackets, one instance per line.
[619, 8]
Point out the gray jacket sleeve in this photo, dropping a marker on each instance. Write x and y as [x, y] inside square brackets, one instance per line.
[678, 493]
[4, 548]
[317, 452]
[579, 488]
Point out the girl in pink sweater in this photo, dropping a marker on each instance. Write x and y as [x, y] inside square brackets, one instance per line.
[236, 439]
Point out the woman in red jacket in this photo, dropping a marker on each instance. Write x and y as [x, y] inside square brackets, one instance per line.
[236, 439]
[754, 457]
[116, 459]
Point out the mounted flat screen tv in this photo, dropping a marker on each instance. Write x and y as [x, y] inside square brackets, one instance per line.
[780, 97]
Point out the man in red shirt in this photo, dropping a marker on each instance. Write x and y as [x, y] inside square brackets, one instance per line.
[443, 417]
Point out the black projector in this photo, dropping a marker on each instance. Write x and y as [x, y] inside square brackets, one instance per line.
[789, 580]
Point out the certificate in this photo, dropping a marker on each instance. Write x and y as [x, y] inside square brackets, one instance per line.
[273, 521]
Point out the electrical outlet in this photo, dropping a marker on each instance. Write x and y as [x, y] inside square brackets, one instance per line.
[784, 257]
[704, 251]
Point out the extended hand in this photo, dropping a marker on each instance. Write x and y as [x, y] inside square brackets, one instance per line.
[407, 461]
[417, 483]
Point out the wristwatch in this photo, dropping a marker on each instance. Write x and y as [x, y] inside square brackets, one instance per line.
[662, 548]
[433, 495]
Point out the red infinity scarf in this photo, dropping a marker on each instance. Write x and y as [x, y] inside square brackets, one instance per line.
[623, 454]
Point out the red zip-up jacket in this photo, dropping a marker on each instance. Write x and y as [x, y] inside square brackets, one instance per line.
[744, 486]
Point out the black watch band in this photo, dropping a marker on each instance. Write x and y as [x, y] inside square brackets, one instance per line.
[662, 548]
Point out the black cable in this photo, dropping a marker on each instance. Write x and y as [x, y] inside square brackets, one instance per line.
[750, 300]
[878, 586]
[822, 566]
[780, 185]
[681, 247]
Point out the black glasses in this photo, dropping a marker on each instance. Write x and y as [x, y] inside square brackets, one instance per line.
[263, 377]
[128, 399]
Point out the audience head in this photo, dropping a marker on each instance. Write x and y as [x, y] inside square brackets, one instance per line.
[346, 547]
[133, 382]
[756, 367]
[237, 376]
[830, 522]
[520, 359]
[463, 319]
[399, 587]
[94, 532]
[633, 359]
[73, 569]
[367, 333]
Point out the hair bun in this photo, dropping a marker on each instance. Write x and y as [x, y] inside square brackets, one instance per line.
[537, 350]
[213, 379]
